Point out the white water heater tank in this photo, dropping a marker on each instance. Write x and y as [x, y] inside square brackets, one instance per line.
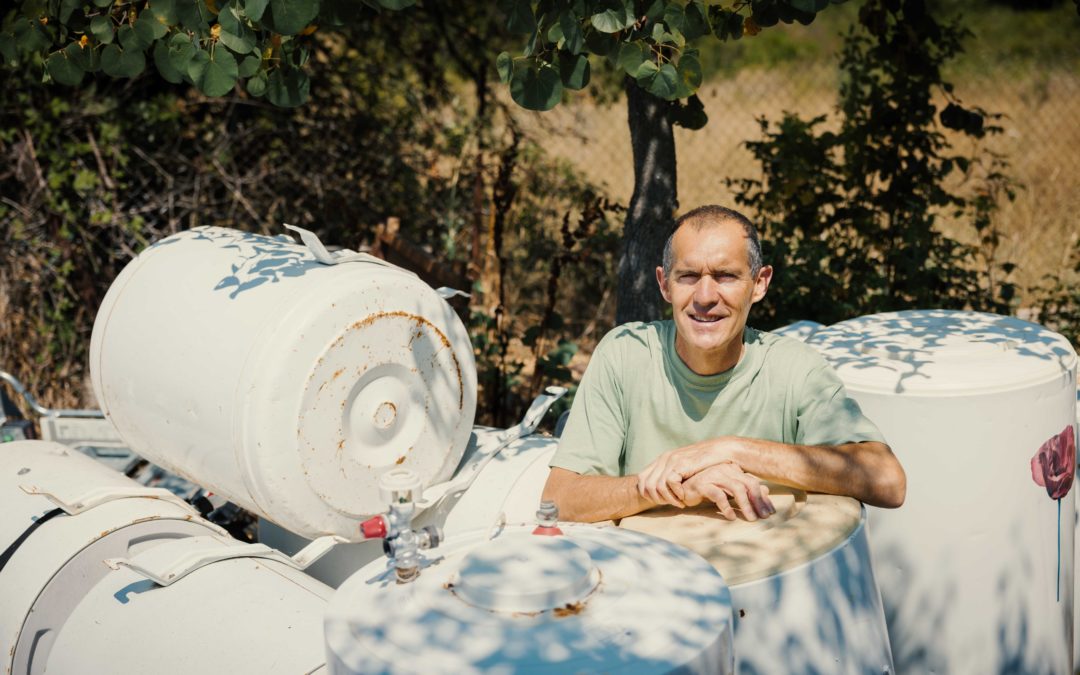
[281, 377]
[68, 606]
[976, 568]
[587, 600]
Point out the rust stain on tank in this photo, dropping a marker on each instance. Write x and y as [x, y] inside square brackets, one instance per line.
[420, 322]
[569, 609]
[400, 459]
[337, 374]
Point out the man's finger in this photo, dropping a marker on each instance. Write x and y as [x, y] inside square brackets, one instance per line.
[716, 495]
[666, 495]
[761, 504]
[738, 492]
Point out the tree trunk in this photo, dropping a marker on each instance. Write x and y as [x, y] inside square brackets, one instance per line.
[652, 207]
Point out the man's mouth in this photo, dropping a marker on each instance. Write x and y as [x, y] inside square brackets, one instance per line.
[704, 318]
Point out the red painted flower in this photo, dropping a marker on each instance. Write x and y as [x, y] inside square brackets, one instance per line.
[1053, 465]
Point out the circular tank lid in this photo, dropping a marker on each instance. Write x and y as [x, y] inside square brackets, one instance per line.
[804, 527]
[526, 573]
[591, 600]
[943, 352]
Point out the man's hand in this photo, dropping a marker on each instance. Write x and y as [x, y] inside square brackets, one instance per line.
[662, 480]
[719, 482]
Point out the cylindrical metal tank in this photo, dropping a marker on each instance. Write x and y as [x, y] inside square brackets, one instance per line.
[976, 568]
[508, 488]
[802, 585]
[65, 611]
[288, 385]
[589, 600]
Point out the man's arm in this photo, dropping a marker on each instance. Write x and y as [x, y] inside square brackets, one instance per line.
[588, 499]
[867, 471]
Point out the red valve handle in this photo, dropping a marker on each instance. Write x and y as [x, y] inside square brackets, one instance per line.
[374, 528]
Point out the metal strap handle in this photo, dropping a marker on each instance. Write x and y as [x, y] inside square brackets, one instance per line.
[539, 407]
[84, 501]
[211, 551]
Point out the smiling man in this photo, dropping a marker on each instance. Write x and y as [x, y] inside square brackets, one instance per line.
[703, 408]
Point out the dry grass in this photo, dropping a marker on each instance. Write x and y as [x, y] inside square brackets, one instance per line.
[1041, 142]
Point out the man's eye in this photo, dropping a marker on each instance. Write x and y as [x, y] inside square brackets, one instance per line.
[689, 278]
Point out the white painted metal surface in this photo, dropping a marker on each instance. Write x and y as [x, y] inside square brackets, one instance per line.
[65, 611]
[238, 615]
[532, 603]
[800, 330]
[288, 385]
[802, 585]
[976, 569]
[507, 489]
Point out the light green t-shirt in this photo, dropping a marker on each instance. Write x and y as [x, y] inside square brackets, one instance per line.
[638, 399]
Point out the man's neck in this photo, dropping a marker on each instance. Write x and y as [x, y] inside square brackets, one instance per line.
[710, 363]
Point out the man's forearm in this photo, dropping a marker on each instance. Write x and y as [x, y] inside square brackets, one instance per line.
[591, 499]
[866, 471]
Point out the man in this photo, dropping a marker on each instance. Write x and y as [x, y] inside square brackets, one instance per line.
[703, 408]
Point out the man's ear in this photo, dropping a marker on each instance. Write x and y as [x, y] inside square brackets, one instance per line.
[761, 284]
[662, 282]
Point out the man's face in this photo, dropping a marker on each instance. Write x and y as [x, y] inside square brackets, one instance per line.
[711, 290]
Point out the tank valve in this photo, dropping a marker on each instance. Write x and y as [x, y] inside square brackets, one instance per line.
[547, 519]
[401, 489]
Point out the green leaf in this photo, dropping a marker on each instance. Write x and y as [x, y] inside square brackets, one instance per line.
[697, 21]
[395, 5]
[601, 44]
[288, 89]
[520, 17]
[149, 28]
[240, 45]
[181, 51]
[63, 70]
[256, 86]
[164, 64]
[574, 70]
[30, 36]
[165, 10]
[83, 57]
[505, 65]
[7, 47]
[194, 16]
[215, 74]
[254, 9]
[103, 3]
[117, 62]
[690, 70]
[289, 17]
[572, 34]
[101, 27]
[67, 8]
[664, 83]
[537, 87]
[612, 16]
[675, 17]
[631, 56]
[249, 66]
[130, 40]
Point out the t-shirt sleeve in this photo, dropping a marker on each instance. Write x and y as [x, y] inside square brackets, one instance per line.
[592, 440]
[826, 414]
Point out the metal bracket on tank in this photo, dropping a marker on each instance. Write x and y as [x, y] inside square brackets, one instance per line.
[315, 245]
[529, 421]
[173, 570]
[74, 504]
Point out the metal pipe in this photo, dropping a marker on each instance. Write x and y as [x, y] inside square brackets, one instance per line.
[42, 410]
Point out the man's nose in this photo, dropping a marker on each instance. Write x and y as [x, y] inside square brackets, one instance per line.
[706, 291]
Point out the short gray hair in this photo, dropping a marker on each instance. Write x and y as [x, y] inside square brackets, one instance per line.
[712, 214]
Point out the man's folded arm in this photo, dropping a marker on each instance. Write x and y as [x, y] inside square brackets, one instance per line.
[589, 498]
